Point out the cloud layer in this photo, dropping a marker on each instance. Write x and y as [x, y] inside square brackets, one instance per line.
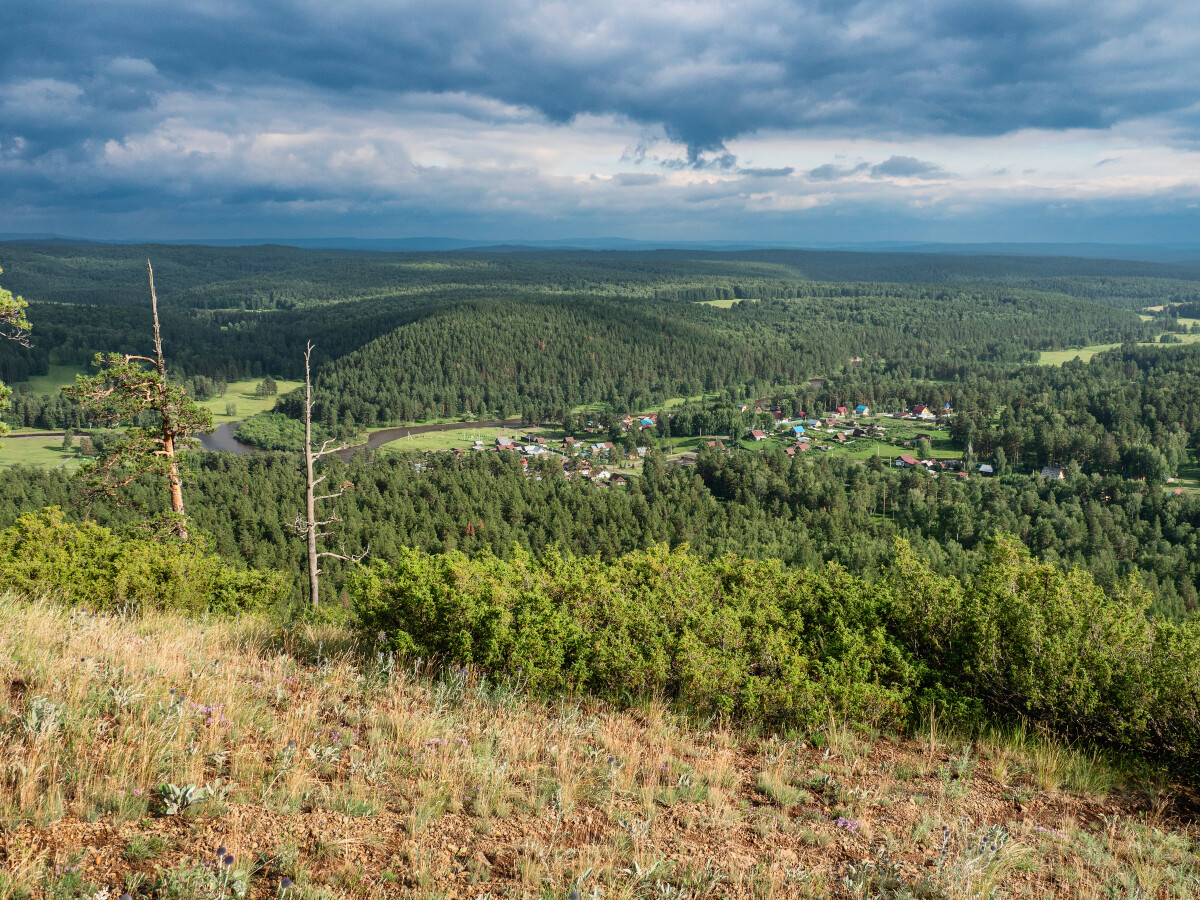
[374, 115]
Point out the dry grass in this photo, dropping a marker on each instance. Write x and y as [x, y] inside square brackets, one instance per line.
[385, 780]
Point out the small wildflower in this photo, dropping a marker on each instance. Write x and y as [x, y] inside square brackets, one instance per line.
[220, 851]
[228, 860]
[284, 884]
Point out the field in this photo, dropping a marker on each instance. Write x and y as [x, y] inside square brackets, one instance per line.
[238, 392]
[34, 451]
[459, 439]
[727, 304]
[1058, 357]
[57, 378]
[364, 778]
[1189, 475]
[241, 393]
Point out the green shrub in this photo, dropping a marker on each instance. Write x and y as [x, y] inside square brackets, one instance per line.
[1028, 641]
[753, 641]
[735, 637]
[43, 555]
[275, 431]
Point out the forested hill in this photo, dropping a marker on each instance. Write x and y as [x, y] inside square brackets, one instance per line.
[274, 277]
[232, 313]
[543, 355]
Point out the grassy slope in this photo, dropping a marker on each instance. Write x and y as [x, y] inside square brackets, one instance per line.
[403, 785]
[57, 378]
[1058, 357]
[241, 393]
[34, 451]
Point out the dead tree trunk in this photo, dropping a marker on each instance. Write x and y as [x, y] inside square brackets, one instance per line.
[174, 482]
[310, 525]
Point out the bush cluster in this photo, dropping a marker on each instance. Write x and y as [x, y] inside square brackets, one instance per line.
[86, 564]
[275, 431]
[745, 639]
[756, 642]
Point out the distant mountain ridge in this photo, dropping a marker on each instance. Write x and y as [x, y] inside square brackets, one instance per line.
[1172, 252]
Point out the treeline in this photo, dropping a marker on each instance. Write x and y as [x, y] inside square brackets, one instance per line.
[764, 506]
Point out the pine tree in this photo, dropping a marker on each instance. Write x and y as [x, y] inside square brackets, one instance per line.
[127, 392]
[15, 327]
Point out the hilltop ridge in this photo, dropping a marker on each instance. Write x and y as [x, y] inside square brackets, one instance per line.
[359, 777]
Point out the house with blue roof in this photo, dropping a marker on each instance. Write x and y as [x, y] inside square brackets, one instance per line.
[797, 430]
[862, 410]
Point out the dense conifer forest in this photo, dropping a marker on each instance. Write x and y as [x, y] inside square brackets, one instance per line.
[710, 344]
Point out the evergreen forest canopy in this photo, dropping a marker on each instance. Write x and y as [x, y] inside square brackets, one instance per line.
[718, 339]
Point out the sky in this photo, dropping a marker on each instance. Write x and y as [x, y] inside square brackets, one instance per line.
[756, 120]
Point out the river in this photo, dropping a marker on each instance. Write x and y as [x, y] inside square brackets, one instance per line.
[222, 440]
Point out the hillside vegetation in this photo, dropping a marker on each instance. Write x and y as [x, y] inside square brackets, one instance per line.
[943, 647]
[174, 758]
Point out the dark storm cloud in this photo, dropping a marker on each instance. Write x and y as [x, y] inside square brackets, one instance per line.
[830, 172]
[907, 167]
[783, 172]
[703, 72]
[216, 111]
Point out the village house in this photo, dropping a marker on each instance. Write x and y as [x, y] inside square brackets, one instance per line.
[862, 410]
[758, 435]
[985, 469]
[840, 411]
[1055, 473]
[904, 461]
[922, 412]
[503, 443]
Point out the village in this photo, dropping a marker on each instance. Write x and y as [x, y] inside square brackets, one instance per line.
[916, 438]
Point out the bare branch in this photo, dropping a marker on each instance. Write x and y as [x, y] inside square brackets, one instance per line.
[317, 454]
[344, 556]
